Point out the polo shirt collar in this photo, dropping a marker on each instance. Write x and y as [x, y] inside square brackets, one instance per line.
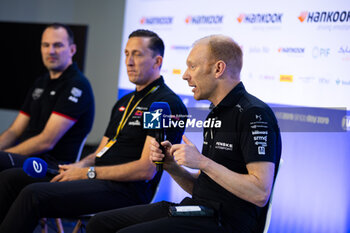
[158, 82]
[232, 98]
[70, 68]
[67, 71]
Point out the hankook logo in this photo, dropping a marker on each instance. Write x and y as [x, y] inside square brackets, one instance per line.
[324, 16]
[265, 18]
[291, 50]
[156, 20]
[204, 19]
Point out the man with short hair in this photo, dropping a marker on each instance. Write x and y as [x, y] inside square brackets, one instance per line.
[237, 166]
[119, 173]
[58, 111]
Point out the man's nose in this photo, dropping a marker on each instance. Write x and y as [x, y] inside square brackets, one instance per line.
[185, 75]
[129, 60]
[51, 49]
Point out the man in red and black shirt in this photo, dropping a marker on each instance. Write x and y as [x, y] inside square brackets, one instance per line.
[58, 111]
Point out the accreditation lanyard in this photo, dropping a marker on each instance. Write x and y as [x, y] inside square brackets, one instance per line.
[123, 121]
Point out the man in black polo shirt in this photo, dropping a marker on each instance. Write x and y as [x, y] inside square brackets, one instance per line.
[119, 173]
[58, 111]
[237, 166]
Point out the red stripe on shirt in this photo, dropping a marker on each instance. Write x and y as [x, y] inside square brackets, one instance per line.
[65, 116]
[24, 113]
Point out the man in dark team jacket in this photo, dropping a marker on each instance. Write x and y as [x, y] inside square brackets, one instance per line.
[58, 111]
[238, 163]
[120, 172]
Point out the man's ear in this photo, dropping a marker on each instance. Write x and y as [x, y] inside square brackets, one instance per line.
[159, 62]
[73, 49]
[220, 67]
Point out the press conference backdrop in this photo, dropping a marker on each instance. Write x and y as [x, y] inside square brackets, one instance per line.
[295, 54]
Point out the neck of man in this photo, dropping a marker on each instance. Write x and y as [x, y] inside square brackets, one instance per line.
[55, 74]
[222, 90]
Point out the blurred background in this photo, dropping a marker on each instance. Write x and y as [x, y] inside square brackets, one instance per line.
[296, 58]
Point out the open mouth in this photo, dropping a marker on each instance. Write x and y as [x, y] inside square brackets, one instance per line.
[194, 87]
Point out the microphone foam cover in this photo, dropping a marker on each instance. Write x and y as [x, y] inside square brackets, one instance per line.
[164, 106]
[35, 167]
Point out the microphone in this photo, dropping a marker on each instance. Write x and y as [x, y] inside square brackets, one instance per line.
[37, 168]
[164, 109]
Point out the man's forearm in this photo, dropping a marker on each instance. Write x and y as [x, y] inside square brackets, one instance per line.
[88, 160]
[31, 146]
[7, 139]
[254, 187]
[183, 177]
[132, 171]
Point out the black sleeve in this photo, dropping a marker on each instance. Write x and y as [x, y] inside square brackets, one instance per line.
[26, 105]
[259, 139]
[75, 99]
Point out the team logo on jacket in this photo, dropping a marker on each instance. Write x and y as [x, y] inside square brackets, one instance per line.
[223, 146]
[138, 113]
[76, 93]
[135, 123]
[37, 93]
[261, 150]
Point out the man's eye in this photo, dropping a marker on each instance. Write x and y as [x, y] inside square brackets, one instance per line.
[58, 45]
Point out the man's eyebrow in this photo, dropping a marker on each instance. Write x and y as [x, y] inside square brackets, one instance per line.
[132, 51]
[189, 62]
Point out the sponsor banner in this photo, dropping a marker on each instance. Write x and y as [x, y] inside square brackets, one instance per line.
[307, 119]
[300, 39]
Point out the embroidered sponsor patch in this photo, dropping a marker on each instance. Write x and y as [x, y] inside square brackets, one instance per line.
[223, 146]
[37, 93]
[261, 150]
[138, 113]
[135, 123]
[255, 132]
[73, 99]
[76, 92]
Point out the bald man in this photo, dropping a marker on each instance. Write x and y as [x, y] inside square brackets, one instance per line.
[237, 166]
